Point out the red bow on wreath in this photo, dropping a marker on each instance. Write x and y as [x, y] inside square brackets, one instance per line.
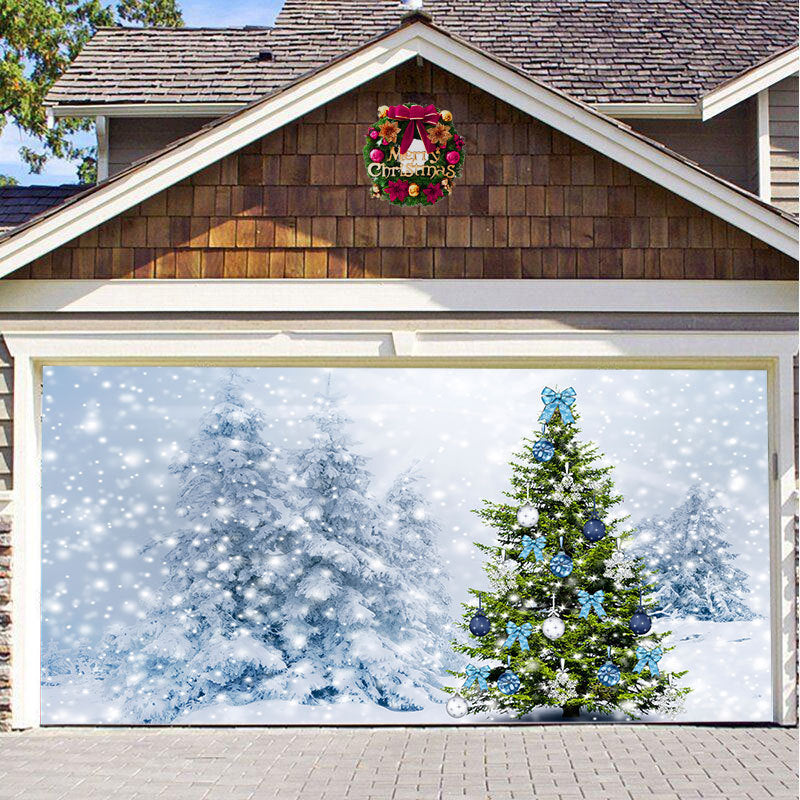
[418, 116]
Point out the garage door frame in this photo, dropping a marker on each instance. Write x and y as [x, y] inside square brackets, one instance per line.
[391, 344]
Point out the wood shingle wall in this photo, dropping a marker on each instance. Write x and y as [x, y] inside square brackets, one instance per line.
[532, 203]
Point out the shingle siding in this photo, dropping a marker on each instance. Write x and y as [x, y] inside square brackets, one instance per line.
[532, 203]
[783, 141]
[724, 145]
[6, 416]
[132, 138]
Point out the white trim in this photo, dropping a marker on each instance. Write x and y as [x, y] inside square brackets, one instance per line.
[783, 543]
[101, 128]
[26, 550]
[764, 157]
[451, 343]
[649, 110]
[617, 110]
[144, 109]
[399, 295]
[749, 83]
[551, 107]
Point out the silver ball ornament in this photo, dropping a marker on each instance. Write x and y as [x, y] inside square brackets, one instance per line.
[553, 627]
[457, 706]
[527, 516]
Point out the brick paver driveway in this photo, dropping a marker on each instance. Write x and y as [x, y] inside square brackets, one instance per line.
[498, 763]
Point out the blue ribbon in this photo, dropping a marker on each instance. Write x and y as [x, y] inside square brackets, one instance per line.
[537, 545]
[479, 674]
[648, 658]
[560, 401]
[591, 601]
[518, 633]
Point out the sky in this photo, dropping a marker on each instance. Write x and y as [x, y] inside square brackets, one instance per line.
[196, 13]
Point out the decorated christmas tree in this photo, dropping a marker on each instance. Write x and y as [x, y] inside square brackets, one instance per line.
[566, 622]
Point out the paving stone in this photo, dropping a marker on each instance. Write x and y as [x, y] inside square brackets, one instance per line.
[550, 763]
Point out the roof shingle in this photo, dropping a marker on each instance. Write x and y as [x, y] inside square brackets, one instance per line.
[18, 204]
[597, 50]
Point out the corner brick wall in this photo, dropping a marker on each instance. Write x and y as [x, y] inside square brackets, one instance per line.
[532, 203]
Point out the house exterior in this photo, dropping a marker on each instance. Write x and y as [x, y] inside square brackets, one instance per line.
[624, 202]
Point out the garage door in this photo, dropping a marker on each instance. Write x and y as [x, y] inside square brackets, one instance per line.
[402, 546]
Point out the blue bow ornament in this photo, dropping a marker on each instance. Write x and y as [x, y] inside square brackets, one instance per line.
[518, 633]
[479, 674]
[557, 401]
[591, 601]
[648, 658]
[536, 545]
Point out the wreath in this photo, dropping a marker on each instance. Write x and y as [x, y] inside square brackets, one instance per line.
[413, 154]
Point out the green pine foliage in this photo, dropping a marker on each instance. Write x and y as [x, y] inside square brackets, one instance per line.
[522, 591]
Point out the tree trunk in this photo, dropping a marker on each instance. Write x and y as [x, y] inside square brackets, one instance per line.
[571, 711]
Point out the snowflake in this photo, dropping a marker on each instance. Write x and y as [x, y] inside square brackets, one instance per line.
[620, 566]
[562, 687]
[567, 491]
[594, 487]
[669, 703]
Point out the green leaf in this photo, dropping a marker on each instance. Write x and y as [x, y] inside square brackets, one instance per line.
[38, 41]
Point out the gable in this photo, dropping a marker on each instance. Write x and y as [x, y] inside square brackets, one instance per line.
[419, 41]
[533, 202]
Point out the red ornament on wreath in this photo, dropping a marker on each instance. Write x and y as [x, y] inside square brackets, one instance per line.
[416, 157]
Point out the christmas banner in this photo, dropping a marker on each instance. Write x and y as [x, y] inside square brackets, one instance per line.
[400, 546]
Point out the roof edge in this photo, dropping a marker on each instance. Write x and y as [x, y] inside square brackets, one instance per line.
[754, 79]
[349, 70]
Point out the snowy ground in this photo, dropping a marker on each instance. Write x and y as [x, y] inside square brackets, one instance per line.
[728, 665]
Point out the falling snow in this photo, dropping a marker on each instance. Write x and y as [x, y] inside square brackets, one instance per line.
[111, 433]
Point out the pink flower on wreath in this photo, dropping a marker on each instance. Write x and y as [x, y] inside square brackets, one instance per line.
[458, 142]
[433, 192]
[397, 190]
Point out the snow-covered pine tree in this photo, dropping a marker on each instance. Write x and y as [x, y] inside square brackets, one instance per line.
[697, 576]
[420, 607]
[205, 636]
[338, 633]
[562, 672]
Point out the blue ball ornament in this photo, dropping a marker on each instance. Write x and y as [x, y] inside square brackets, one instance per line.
[543, 450]
[609, 674]
[594, 530]
[479, 625]
[640, 623]
[561, 563]
[508, 682]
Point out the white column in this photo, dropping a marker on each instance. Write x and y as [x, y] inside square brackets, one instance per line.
[764, 185]
[101, 126]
